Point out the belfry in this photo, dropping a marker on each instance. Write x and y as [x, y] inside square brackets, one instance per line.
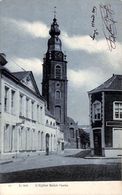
[54, 83]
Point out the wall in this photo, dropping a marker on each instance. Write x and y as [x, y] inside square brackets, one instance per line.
[0, 109]
[25, 135]
[110, 97]
[113, 152]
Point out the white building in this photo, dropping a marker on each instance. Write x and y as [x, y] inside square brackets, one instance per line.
[23, 119]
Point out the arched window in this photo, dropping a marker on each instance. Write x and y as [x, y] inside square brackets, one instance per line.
[96, 110]
[72, 132]
[58, 72]
[58, 113]
[57, 94]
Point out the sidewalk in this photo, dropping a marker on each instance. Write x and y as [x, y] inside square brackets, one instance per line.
[5, 161]
[103, 157]
[52, 160]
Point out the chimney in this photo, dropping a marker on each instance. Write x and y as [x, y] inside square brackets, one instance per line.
[3, 60]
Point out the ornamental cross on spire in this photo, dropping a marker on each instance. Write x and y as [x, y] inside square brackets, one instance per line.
[55, 12]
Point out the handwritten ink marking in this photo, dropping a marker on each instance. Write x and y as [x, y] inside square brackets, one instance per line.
[95, 32]
[108, 25]
[94, 10]
[93, 20]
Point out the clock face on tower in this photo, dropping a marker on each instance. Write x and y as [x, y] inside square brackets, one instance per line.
[58, 55]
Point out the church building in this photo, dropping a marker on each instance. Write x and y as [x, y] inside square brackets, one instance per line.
[54, 84]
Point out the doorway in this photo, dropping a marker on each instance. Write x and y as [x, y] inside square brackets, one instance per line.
[47, 144]
[97, 142]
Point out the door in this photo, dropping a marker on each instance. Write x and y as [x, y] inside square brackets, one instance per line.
[47, 143]
[97, 143]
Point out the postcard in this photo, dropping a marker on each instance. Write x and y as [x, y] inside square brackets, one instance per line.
[60, 97]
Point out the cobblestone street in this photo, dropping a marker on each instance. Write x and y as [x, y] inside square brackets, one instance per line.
[60, 168]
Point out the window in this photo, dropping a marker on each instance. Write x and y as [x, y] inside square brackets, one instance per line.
[33, 140]
[58, 113]
[28, 139]
[12, 101]
[96, 110]
[14, 139]
[55, 144]
[6, 99]
[42, 138]
[21, 138]
[117, 138]
[7, 138]
[32, 110]
[21, 105]
[58, 72]
[27, 107]
[117, 110]
[72, 132]
[39, 140]
[57, 94]
[41, 114]
[38, 113]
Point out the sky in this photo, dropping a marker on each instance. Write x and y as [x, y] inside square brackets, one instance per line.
[24, 32]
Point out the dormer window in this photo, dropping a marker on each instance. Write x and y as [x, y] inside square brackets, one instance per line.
[96, 111]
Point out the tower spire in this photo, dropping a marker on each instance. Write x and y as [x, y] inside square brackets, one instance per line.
[54, 30]
[55, 12]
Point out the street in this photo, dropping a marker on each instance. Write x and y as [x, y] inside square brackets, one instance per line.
[60, 168]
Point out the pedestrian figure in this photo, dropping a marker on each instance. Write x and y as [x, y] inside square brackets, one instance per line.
[47, 150]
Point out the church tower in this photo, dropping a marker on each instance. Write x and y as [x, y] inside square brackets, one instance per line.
[54, 83]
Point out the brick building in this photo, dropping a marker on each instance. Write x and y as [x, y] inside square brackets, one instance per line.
[55, 85]
[106, 118]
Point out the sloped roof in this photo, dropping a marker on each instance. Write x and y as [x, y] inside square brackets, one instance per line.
[112, 84]
[23, 74]
[71, 121]
[20, 75]
[48, 113]
[3, 60]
